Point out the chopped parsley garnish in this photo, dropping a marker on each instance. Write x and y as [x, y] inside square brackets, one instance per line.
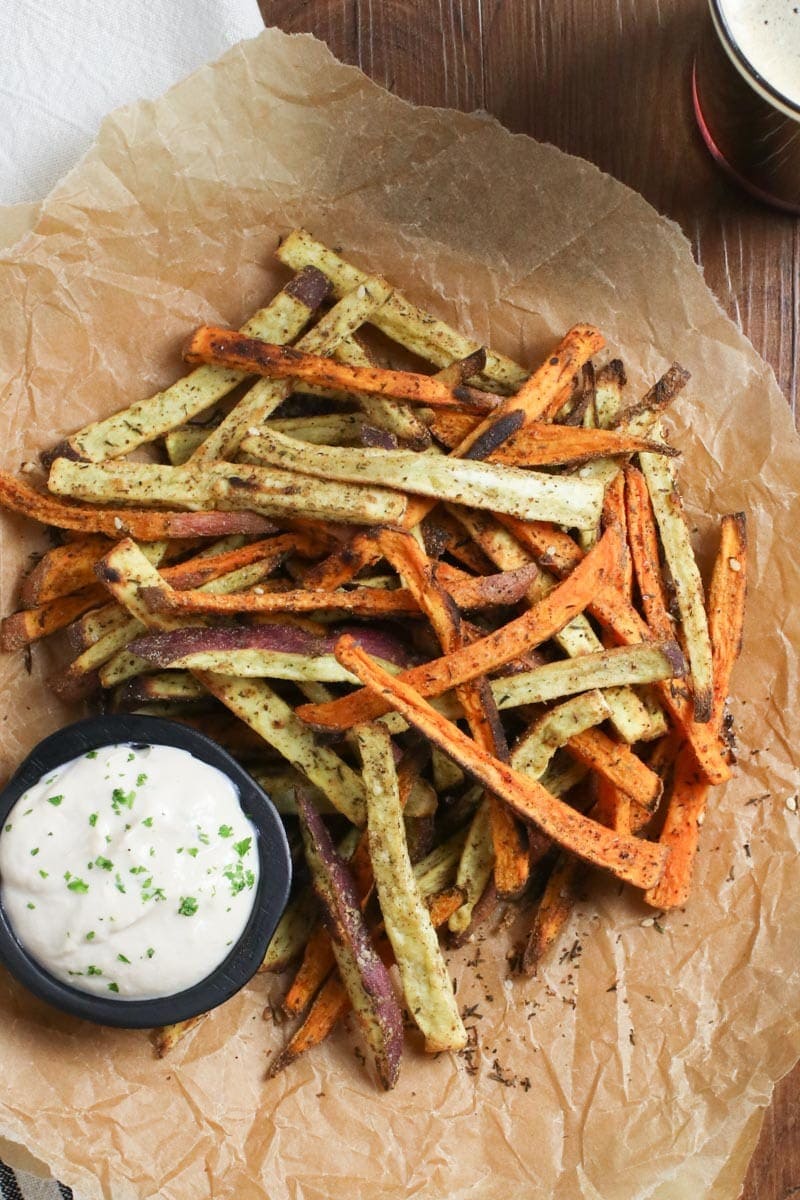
[43, 874]
[238, 878]
[31, 904]
[131, 757]
[92, 754]
[93, 971]
[148, 821]
[54, 800]
[137, 870]
[118, 884]
[225, 831]
[243, 846]
[150, 951]
[35, 850]
[187, 906]
[90, 936]
[78, 885]
[193, 851]
[202, 837]
[122, 958]
[113, 987]
[105, 863]
[8, 828]
[93, 819]
[120, 799]
[141, 780]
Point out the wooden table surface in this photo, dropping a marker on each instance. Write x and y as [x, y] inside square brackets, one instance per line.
[607, 80]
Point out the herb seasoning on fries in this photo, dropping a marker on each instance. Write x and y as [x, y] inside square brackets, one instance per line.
[450, 618]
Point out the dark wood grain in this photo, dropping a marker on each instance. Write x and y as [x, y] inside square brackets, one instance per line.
[608, 80]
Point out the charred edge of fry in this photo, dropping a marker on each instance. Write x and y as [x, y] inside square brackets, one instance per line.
[309, 286]
[660, 395]
[612, 372]
[495, 435]
[552, 913]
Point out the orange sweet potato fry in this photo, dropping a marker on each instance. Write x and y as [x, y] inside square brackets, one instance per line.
[63, 570]
[488, 653]
[226, 348]
[630, 859]
[690, 788]
[143, 524]
[31, 624]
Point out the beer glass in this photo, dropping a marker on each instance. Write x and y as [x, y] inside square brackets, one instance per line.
[746, 93]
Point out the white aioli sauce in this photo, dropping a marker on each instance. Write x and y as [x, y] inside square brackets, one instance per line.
[129, 871]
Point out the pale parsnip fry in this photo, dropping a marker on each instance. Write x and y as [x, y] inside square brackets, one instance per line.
[266, 394]
[426, 983]
[679, 555]
[475, 867]
[524, 494]
[281, 321]
[554, 729]
[391, 415]
[634, 861]
[398, 318]
[647, 663]
[282, 493]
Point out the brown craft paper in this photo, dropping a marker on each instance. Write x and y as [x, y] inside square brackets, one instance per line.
[635, 1068]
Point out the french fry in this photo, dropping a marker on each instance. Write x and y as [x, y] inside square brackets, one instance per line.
[426, 983]
[127, 574]
[281, 320]
[167, 1037]
[266, 394]
[475, 698]
[489, 653]
[662, 485]
[689, 789]
[63, 569]
[368, 984]
[394, 417]
[282, 493]
[616, 762]
[524, 494]
[541, 445]
[143, 525]
[398, 318]
[534, 750]
[31, 624]
[475, 868]
[577, 638]
[552, 912]
[226, 348]
[629, 859]
[558, 552]
[606, 669]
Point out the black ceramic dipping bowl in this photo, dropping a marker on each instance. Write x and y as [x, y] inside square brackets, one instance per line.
[271, 893]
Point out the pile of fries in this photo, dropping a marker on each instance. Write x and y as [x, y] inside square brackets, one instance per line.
[452, 622]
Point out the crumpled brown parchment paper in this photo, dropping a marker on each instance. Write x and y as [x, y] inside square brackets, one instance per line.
[637, 1068]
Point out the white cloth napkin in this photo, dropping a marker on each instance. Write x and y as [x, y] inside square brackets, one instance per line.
[65, 64]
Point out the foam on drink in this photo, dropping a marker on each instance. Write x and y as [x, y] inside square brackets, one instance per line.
[767, 33]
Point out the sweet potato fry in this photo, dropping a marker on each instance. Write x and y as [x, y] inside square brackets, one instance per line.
[426, 983]
[552, 912]
[31, 624]
[281, 320]
[539, 445]
[368, 984]
[525, 494]
[690, 789]
[631, 860]
[475, 698]
[490, 652]
[63, 569]
[226, 348]
[144, 525]
[616, 762]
